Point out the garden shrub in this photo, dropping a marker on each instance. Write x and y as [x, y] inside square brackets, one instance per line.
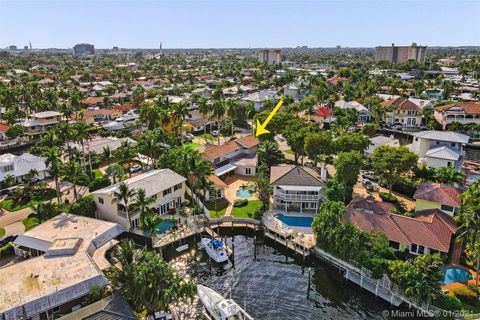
[84, 206]
[6, 250]
[99, 183]
[385, 196]
[240, 202]
[466, 295]
[447, 302]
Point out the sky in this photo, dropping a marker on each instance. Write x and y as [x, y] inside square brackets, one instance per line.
[238, 24]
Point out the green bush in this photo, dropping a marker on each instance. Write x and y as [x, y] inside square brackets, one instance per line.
[447, 302]
[388, 197]
[2, 232]
[240, 202]
[84, 207]
[6, 250]
[99, 183]
[466, 295]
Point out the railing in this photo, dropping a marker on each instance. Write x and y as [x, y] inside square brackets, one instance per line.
[296, 196]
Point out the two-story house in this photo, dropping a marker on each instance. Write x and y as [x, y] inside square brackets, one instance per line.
[430, 231]
[363, 113]
[431, 195]
[296, 189]
[42, 121]
[259, 98]
[439, 148]
[166, 187]
[20, 167]
[461, 112]
[403, 112]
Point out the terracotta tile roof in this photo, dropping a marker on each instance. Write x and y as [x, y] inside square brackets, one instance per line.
[124, 107]
[436, 192]
[430, 228]
[401, 104]
[248, 141]
[217, 181]
[213, 151]
[324, 112]
[334, 80]
[467, 107]
[4, 127]
[93, 100]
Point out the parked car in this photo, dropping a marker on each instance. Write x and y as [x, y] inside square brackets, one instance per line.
[135, 168]
[369, 185]
[369, 175]
[309, 164]
[214, 133]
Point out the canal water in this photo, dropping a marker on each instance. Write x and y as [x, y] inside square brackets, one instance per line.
[272, 283]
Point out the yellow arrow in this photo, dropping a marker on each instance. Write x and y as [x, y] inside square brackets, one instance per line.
[261, 127]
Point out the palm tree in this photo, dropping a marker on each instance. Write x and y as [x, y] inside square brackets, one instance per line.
[32, 174]
[106, 155]
[115, 171]
[179, 113]
[122, 196]
[141, 204]
[204, 109]
[218, 111]
[449, 176]
[231, 107]
[268, 153]
[9, 180]
[125, 154]
[52, 161]
[72, 172]
[82, 135]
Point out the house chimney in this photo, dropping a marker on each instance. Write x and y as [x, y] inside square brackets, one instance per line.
[323, 173]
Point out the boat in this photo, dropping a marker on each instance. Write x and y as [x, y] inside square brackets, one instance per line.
[218, 307]
[215, 248]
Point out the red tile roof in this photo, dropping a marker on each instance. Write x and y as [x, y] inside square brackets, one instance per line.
[430, 228]
[334, 80]
[213, 151]
[468, 107]
[324, 112]
[436, 192]
[124, 107]
[4, 127]
[401, 104]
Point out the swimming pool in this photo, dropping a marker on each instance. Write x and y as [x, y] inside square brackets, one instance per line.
[453, 274]
[244, 193]
[304, 222]
[161, 228]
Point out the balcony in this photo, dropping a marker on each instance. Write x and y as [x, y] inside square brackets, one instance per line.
[296, 196]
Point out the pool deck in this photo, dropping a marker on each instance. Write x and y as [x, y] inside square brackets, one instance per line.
[234, 183]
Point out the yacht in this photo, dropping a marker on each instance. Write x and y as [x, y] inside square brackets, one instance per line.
[218, 307]
[216, 249]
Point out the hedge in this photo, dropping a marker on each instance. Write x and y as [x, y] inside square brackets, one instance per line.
[447, 302]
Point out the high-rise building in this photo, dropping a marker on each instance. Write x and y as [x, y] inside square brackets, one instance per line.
[398, 54]
[270, 56]
[83, 49]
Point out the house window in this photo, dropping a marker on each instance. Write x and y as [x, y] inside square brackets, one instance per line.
[437, 142]
[413, 247]
[177, 187]
[446, 208]
[449, 164]
[167, 191]
[248, 171]
[8, 168]
[421, 249]
[432, 251]
[393, 244]
[100, 200]
[453, 144]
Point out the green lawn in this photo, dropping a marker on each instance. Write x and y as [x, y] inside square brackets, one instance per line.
[98, 173]
[221, 208]
[2, 232]
[11, 206]
[208, 136]
[193, 145]
[247, 211]
[30, 222]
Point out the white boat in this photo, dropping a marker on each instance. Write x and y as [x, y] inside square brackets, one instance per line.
[216, 249]
[220, 308]
[121, 122]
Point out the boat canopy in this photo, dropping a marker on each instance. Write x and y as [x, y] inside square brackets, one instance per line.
[216, 244]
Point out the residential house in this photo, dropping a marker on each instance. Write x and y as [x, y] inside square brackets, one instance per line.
[378, 141]
[336, 81]
[42, 121]
[3, 132]
[294, 90]
[200, 123]
[66, 257]
[204, 92]
[97, 144]
[166, 187]
[461, 112]
[113, 307]
[403, 112]
[296, 188]
[238, 156]
[430, 195]
[439, 148]
[430, 231]
[92, 115]
[259, 98]
[20, 166]
[363, 113]
[93, 102]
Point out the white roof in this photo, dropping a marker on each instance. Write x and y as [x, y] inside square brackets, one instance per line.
[21, 164]
[153, 182]
[45, 114]
[225, 169]
[443, 136]
[443, 153]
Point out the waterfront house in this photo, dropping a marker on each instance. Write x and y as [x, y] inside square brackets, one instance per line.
[65, 257]
[166, 187]
[430, 195]
[430, 231]
[296, 188]
[439, 148]
[238, 156]
[113, 307]
[461, 112]
[401, 111]
[42, 121]
[20, 167]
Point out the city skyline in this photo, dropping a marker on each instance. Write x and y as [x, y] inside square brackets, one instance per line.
[238, 24]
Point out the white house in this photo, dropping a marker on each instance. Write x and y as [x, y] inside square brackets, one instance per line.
[259, 98]
[378, 141]
[363, 113]
[461, 112]
[20, 166]
[42, 121]
[295, 188]
[439, 148]
[166, 187]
